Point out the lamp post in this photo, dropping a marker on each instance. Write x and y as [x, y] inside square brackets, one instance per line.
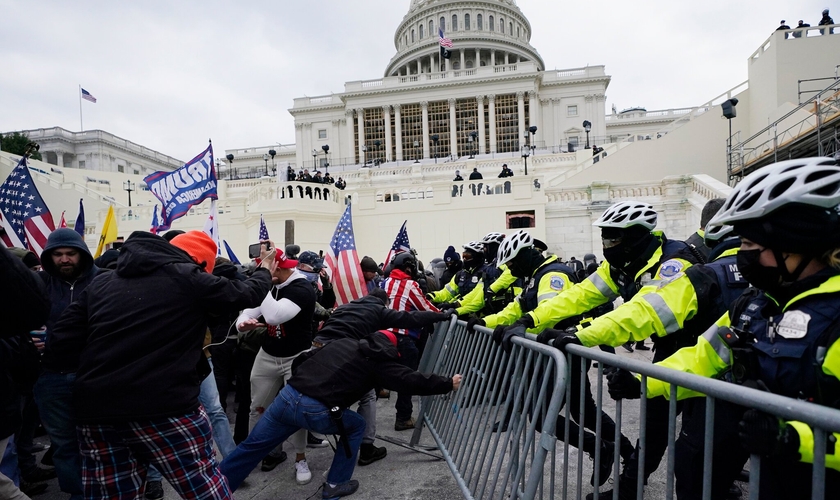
[728, 108]
[416, 151]
[129, 186]
[230, 165]
[526, 152]
[314, 161]
[533, 131]
[364, 152]
[587, 126]
[265, 159]
[272, 153]
[326, 148]
[435, 139]
[219, 168]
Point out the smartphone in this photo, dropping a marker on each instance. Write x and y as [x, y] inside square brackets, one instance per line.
[254, 250]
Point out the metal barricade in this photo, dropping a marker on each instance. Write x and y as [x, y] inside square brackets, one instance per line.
[822, 419]
[489, 431]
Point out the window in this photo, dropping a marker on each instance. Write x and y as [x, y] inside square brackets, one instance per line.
[136, 172]
[480, 21]
[431, 28]
[501, 25]
[442, 24]
[518, 32]
[467, 22]
[511, 29]
[412, 36]
[571, 110]
[81, 163]
[517, 220]
[492, 26]
[322, 133]
[421, 32]
[454, 23]
[121, 168]
[573, 142]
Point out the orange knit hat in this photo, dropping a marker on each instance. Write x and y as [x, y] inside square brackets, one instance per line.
[200, 246]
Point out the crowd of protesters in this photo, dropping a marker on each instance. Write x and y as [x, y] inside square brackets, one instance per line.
[303, 175]
[131, 399]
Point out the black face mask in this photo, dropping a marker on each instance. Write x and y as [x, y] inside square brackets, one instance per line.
[762, 277]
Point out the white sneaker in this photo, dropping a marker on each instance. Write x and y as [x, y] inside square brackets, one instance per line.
[302, 474]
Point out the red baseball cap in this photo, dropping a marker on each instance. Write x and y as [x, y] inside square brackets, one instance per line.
[283, 262]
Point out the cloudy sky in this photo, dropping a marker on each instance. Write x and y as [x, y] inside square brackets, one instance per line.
[171, 74]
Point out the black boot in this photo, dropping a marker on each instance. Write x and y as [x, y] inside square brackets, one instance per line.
[369, 453]
[605, 467]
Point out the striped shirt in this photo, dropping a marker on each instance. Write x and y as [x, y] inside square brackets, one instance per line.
[405, 295]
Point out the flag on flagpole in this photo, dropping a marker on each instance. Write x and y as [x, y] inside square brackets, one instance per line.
[445, 45]
[185, 187]
[79, 226]
[263, 230]
[343, 261]
[109, 232]
[230, 253]
[211, 227]
[88, 96]
[155, 222]
[400, 244]
[62, 222]
[23, 213]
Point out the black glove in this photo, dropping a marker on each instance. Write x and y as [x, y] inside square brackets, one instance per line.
[526, 320]
[513, 330]
[447, 314]
[471, 324]
[623, 385]
[764, 434]
[448, 305]
[568, 337]
[498, 333]
[548, 335]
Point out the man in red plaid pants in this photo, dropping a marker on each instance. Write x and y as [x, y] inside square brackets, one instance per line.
[136, 334]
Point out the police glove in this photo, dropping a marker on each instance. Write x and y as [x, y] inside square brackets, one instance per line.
[447, 314]
[765, 434]
[471, 324]
[621, 384]
[448, 305]
[568, 337]
[514, 330]
[548, 335]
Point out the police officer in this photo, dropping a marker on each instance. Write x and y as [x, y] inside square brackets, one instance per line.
[464, 280]
[498, 284]
[638, 261]
[786, 328]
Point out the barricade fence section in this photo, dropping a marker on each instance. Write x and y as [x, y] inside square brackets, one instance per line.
[489, 431]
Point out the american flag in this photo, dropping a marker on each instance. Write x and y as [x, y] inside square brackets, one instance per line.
[444, 42]
[342, 259]
[23, 213]
[155, 222]
[400, 244]
[211, 227]
[88, 96]
[263, 230]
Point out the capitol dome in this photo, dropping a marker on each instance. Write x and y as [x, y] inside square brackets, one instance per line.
[483, 33]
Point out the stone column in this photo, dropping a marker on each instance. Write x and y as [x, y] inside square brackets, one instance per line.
[507, 58]
[448, 63]
[589, 109]
[492, 117]
[477, 59]
[361, 114]
[600, 113]
[492, 57]
[556, 105]
[386, 115]
[534, 108]
[307, 142]
[425, 107]
[520, 108]
[482, 138]
[350, 149]
[398, 131]
[59, 159]
[298, 150]
[463, 60]
[419, 67]
[453, 128]
[432, 68]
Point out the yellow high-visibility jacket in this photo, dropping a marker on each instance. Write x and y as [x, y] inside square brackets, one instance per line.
[712, 357]
[474, 301]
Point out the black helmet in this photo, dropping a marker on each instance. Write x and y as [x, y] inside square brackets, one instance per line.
[405, 262]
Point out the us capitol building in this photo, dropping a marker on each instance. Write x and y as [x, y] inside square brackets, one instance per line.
[398, 140]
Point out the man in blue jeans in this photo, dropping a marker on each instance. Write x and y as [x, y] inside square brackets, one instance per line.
[324, 383]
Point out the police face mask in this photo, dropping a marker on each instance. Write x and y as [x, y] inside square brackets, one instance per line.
[760, 276]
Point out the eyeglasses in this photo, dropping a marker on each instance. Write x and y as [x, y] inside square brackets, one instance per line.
[610, 242]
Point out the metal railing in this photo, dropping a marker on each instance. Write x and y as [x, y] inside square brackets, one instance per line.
[517, 393]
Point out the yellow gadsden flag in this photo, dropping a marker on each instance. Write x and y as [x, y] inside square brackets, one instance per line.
[109, 232]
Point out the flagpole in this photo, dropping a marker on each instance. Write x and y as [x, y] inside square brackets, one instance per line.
[81, 121]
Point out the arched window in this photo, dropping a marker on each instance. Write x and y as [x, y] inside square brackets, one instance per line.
[492, 26]
[421, 32]
[412, 36]
[467, 22]
[442, 24]
[454, 22]
[518, 33]
[502, 25]
[480, 21]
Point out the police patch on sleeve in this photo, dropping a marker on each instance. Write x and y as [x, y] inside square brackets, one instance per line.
[557, 283]
[671, 270]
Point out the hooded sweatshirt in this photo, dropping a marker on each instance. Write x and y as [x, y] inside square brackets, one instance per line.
[136, 333]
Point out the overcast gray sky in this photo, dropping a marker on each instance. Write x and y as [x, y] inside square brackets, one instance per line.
[171, 74]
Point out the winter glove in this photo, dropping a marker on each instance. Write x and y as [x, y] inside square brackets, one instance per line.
[471, 324]
[515, 330]
[448, 305]
[526, 320]
[548, 335]
[621, 384]
[765, 434]
[446, 314]
[498, 334]
[568, 337]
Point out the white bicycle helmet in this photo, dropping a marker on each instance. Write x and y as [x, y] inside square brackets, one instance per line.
[713, 234]
[807, 181]
[493, 238]
[511, 247]
[474, 247]
[626, 214]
